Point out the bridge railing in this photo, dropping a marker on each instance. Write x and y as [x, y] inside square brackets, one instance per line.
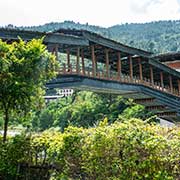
[113, 76]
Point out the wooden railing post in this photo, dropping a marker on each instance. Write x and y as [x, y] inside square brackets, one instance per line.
[162, 80]
[93, 61]
[107, 62]
[130, 68]
[170, 84]
[140, 69]
[119, 65]
[151, 75]
[68, 59]
[77, 61]
[179, 87]
[82, 58]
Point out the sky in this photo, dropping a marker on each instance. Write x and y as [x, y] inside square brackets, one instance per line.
[104, 13]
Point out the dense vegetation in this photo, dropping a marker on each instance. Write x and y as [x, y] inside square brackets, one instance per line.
[158, 37]
[83, 109]
[128, 150]
[25, 67]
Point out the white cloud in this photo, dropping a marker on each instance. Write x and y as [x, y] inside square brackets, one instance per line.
[97, 12]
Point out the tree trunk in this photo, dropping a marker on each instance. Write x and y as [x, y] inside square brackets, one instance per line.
[6, 120]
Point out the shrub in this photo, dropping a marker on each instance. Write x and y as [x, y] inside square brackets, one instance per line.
[132, 149]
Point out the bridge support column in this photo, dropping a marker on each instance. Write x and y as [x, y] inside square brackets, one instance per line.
[82, 58]
[140, 69]
[151, 75]
[93, 61]
[68, 60]
[119, 65]
[77, 61]
[130, 67]
[170, 83]
[162, 79]
[107, 62]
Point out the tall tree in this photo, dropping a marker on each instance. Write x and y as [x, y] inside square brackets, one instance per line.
[25, 67]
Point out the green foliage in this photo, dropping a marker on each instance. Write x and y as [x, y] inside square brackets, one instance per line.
[24, 69]
[86, 109]
[11, 153]
[136, 111]
[130, 150]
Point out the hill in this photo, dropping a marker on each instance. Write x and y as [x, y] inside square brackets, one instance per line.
[158, 37]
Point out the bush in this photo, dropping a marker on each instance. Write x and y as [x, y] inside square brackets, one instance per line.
[132, 149]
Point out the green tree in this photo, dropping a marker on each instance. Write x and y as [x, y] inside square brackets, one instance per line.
[24, 69]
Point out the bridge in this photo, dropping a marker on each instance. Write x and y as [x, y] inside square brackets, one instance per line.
[92, 62]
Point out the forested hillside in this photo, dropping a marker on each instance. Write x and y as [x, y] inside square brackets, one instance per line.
[158, 37]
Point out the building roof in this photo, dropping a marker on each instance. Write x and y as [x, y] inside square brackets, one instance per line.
[170, 56]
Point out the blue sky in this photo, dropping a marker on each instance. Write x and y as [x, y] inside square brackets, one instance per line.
[96, 12]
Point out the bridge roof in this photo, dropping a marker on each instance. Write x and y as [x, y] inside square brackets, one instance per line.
[170, 56]
[95, 38]
[50, 37]
[72, 38]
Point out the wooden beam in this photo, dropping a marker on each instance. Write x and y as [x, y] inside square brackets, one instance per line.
[170, 83]
[68, 59]
[162, 79]
[82, 58]
[151, 75]
[93, 61]
[140, 69]
[77, 61]
[179, 87]
[119, 65]
[107, 62]
[130, 67]
[96, 66]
